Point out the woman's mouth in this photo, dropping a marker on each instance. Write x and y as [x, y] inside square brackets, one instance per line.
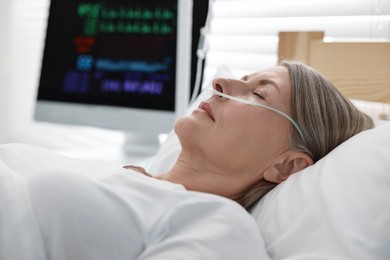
[206, 107]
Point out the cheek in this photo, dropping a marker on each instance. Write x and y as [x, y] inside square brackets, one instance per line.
[237, 131]
[245, 123]
[249, 132]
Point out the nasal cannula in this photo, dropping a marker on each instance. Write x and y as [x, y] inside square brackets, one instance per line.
[248, 102]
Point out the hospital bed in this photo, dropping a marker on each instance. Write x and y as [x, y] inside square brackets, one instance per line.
[336, 209]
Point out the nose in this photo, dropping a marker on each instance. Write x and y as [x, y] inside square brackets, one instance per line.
[227, 86]
[218, 83]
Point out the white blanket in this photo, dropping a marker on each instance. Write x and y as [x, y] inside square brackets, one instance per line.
[53, 207]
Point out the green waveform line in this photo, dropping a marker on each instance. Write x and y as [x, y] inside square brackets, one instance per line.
[135, 28]
[137, 13]
[95, 10]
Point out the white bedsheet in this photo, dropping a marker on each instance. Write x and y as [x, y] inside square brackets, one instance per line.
[53, 207]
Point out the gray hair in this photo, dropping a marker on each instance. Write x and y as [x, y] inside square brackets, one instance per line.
[325, 116]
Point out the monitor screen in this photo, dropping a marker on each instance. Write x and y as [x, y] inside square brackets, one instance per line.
[116, 64]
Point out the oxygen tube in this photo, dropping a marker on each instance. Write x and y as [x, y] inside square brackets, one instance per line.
[248, 102]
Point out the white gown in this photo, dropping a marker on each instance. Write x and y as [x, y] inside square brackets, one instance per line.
[54, 207]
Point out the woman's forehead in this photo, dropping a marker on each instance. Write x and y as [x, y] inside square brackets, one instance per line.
[279, 73]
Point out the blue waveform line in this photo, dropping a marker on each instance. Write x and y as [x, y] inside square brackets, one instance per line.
[124, 65]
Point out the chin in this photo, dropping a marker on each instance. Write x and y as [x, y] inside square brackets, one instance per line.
[186, 128]
[182, 125]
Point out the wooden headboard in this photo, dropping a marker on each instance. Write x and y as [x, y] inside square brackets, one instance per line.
[361, 70]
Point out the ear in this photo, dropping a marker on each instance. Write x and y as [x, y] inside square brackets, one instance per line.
[286, 166]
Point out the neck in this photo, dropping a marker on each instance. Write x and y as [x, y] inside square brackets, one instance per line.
[196, 175]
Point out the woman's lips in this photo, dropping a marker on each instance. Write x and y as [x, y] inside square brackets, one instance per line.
[206, 107]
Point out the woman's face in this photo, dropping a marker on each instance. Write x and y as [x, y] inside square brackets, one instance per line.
[235, 138]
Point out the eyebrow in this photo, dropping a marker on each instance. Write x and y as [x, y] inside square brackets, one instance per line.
[271, 82]
[264, 82]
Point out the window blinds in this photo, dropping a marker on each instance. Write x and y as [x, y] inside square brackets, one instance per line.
[242, 34]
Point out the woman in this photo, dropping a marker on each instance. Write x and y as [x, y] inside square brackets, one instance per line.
[241, 152]
[60, 208]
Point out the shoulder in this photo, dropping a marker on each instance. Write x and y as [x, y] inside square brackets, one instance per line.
[213, 211]
[220, 228]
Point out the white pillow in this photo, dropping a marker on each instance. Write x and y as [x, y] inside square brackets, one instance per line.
[338, 208]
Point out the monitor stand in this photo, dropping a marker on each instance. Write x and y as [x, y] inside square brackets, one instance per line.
[141, 144]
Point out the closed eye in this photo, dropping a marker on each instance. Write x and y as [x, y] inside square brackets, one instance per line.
[258, 94]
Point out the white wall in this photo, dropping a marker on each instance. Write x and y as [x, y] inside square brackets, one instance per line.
[22, 41]
[4, 71]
